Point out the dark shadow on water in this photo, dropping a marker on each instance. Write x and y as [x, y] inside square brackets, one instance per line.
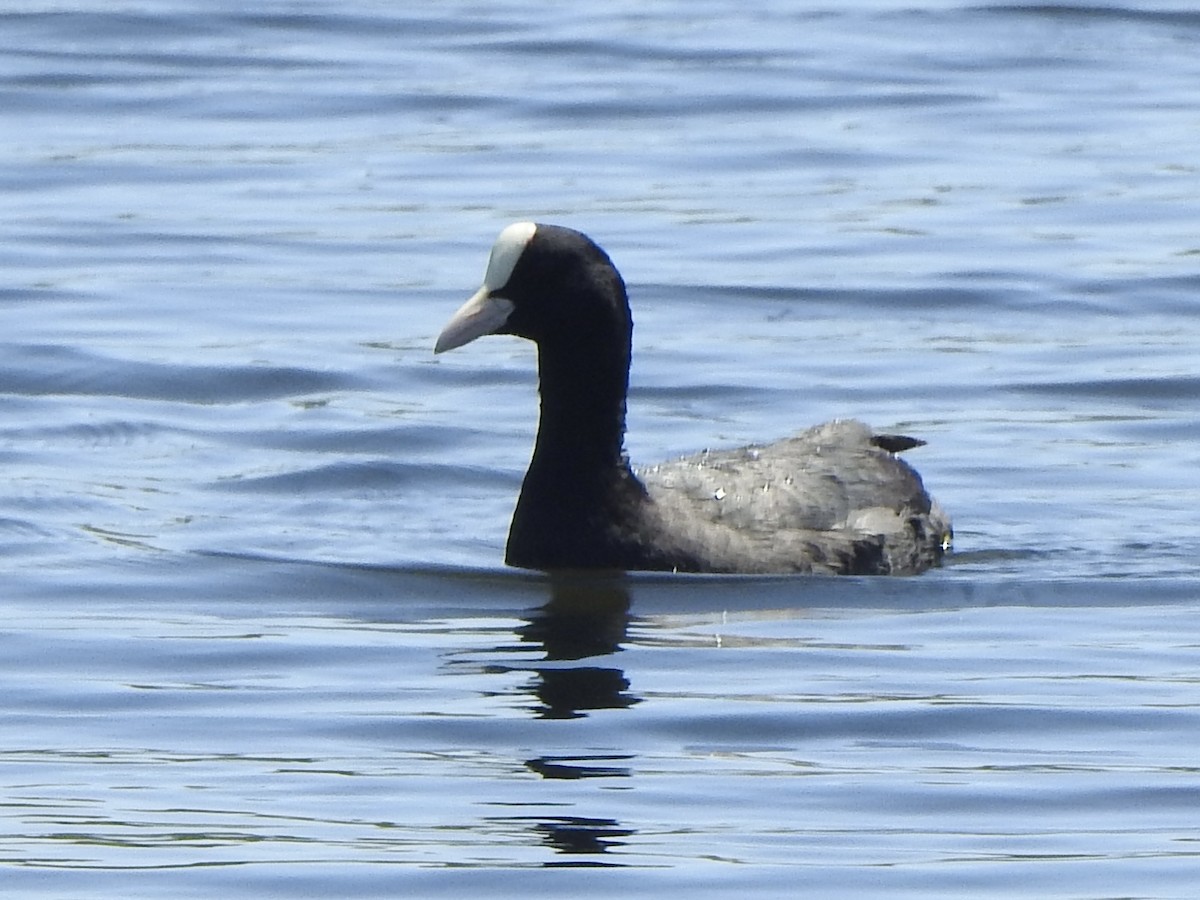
[575, 768]
[582, 837]
[572, 693]
[586, 617]
[577, 835]
[581, 627]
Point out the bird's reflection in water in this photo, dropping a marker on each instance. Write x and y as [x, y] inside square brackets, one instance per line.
[587, 616]
[573, 768]
[577, 836]
[577, 634]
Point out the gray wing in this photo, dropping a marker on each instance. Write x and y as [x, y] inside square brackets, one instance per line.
[827, 494]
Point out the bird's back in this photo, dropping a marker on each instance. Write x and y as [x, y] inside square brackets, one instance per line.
[830, 499]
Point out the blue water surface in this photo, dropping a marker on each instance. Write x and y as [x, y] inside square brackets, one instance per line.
[258, 639]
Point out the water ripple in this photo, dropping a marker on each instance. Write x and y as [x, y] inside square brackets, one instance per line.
[55, 370]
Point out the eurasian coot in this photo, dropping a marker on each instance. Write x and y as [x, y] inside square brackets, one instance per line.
[833, 499]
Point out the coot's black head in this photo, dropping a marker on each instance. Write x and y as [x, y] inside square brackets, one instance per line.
[550, 284]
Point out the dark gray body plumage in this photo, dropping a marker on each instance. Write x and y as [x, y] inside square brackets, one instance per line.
[826, 500]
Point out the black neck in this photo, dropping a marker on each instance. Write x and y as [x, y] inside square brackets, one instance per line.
[582, 419]
[579, 496]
